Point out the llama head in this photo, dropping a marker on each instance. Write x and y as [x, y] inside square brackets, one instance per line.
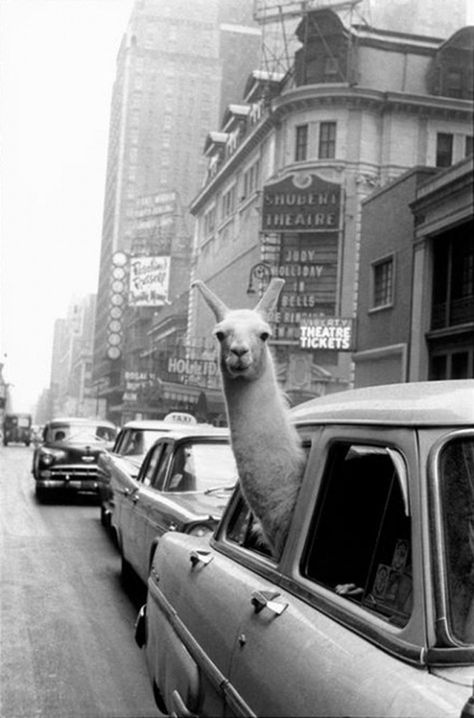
[242, 333]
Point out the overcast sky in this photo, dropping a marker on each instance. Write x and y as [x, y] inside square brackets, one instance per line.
[57, 67]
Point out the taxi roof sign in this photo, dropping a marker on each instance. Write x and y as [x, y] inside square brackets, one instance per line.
[180, 417]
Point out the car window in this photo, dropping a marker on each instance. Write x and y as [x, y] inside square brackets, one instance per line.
[152, 461]
[79, 432]
[202, 466]
[162, 468]
[244, 530]
[456, 472]
[359, 543]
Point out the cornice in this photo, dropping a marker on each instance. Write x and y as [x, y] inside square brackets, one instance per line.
[309, 97]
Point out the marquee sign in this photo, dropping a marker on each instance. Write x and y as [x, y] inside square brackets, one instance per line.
[149, 281]
[333, 333]
[301, 203]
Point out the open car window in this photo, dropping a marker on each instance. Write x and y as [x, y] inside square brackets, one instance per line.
[359, 543]
[245, 530]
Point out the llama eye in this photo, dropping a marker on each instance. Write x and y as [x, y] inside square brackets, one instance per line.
[264, 336]
[220, 336]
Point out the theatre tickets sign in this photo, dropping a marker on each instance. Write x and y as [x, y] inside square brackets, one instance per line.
[330, 333]
[301, 203]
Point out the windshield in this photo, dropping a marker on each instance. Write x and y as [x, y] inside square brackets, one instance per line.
[206, 466]
[457, 486]
[81, 433]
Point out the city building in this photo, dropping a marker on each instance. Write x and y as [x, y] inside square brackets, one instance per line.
[415, 315]
[179, 61]
[71, 392]
[291, 164]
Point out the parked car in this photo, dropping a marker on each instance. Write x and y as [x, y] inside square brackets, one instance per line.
[17, 429]
[133, 441]
[67, 459]
[183, 484]
[369, 611]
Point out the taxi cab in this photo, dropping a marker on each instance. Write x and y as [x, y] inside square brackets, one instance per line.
[120, 466]
[369, 611]
[183, 484]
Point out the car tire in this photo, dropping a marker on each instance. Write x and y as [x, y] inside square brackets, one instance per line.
[104, 519]
[40, 493]
[127, 574]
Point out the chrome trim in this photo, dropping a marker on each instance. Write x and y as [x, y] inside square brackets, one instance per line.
[440, 587]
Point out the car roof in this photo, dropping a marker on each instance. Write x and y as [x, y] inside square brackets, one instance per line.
[430, 403]
[152, 424]
[200, 431]
[80, 420]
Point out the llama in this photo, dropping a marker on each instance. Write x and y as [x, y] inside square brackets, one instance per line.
[266, 446]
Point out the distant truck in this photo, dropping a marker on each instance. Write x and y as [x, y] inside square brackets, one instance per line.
[17, 429]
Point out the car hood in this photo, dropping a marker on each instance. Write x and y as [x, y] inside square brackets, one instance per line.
[460, 675]
[197, 502]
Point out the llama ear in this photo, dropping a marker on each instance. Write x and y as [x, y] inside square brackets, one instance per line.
[270, 298]
[217, 305]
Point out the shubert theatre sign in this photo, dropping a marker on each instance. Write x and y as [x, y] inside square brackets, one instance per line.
[301, 203]
[304, 210]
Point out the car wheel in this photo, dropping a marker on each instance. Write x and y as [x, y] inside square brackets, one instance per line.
[40, 493]
[104, 519]
[126, 572]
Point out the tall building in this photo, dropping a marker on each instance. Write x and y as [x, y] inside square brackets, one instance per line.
[176, 61]
[71, 392]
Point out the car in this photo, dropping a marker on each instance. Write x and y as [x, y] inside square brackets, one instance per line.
[123, 461]
[183, 485]
[67, 458]
[17, 429]
[369, 609]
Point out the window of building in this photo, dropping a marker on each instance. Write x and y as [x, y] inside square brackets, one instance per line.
[382, 283]
[301, 143]
[251, 179]
[228, 202]
[454, 83]
[359, 544]
[444, 149]
[209, 221]
[327, 140]
[469, 147]
[331, 69]
[453, 278]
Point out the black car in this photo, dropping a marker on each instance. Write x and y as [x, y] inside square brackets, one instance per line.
[67, 460]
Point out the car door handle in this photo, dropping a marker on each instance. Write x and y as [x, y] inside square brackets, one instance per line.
[180, 710]
[266, 599]
[203, 557]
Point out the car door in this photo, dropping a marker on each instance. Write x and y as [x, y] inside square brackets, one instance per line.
[135, 511]
[352, 578]
[194, 611]
[146, 517]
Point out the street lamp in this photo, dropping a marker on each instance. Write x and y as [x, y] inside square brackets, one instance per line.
[262, 273]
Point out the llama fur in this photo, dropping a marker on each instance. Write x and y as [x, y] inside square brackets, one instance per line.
[266, 446]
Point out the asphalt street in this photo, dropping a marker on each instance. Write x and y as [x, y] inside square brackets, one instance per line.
[67, 644]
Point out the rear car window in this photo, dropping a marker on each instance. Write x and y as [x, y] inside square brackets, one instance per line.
[80, 433]
[456, 472]
[359, 544]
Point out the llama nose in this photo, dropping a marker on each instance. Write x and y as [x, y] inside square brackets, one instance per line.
[239, 350]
